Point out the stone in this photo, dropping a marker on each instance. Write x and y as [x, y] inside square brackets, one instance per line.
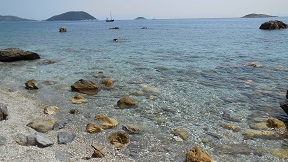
[229, 117]
[275, 123]
[50, 109]
[119, 138]
[3, 141]
[85, 86]
[16, 54]
[63, 156]
[131, 129]
[93, 128]
[98, 151]
[197, 154]
[181, 132]
[100, 74]
[48, 82]
[108, 122]
[263, 134]
[77, 99]
[3, 112]
[65, 137]
[59, 124]
[127, 102]
[62, 29]
[45, 62]
[178, 139]
[74, 111]
[236, 149]
[273, 24]
[42, 125]
[259, 126]
[232, 127]
[31, 84]
[107, 83]
[254, 64]
[42, 140]
[284, 105]
[150, 89]
[282, 153]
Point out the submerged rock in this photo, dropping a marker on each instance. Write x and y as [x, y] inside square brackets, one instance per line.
[282, 153]
[127, 102]
[85, 86]
[273, 24]
[131, 129]
[107, 83]
[50, 109]
[234, 149]
[16, 54]
[181, 132]
[276, 123]
[263, 134]
[31, 84]
[232, 127]
[197, 154]
[108, 122]
[77, 99]
[119, 138]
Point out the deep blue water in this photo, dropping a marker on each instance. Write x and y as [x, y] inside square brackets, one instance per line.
[198, 65]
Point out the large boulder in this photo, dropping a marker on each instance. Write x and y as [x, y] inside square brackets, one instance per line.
[16, 54]
[273, 24]
[85, 86]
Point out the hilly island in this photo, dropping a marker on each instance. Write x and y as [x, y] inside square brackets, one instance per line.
[12, 18]
[72, 16]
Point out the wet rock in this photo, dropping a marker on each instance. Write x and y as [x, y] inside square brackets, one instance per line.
[74, 111]
[235, 149]
[48, 82]
[63, 156]
[59, 124]
[282, 153]
[181, 132]
[85, 86]
[127, 102]
[254, 64]
[229, 117]
[62, 29]
[65, 137]
[273, 24]
[77, 99]
[42, 140]
[197, 154]
[93, 128]
[131, 129]
[150, 89]
[108, 122]
[31, 84]
[100, 74]
[50, 109]
[16, 54]
[2, 141]
[263, 134]
[3, 112]
[284, 105]
[107, 83]
[259, 126]
[275, 123]
[232, 127]
[42, 125]
[119, 138]
[98, 151]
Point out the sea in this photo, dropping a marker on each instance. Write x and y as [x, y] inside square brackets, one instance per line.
[193, 74]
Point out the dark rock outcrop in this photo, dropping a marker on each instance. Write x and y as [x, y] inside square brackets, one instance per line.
[31, 84]
[72, 16]
[273, 24]
[62, 29]
[16, 54]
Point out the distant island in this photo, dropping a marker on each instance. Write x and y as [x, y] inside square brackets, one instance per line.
[140, 18]
[254, 15]
[72, 16]
[12, 18]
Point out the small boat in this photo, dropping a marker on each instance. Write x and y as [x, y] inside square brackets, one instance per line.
[110, 20]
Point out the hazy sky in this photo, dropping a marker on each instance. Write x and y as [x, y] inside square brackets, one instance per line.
[130, 9]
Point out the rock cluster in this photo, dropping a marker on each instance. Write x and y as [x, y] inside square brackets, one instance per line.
[16, 54]
[273, 24]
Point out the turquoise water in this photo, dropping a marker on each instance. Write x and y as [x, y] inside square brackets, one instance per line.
[198, 65]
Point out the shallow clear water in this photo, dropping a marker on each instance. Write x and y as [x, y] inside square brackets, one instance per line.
[199, 66]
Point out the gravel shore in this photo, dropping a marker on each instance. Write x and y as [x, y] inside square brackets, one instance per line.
[22, 108]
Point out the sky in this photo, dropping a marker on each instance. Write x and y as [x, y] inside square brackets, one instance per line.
[130, 9]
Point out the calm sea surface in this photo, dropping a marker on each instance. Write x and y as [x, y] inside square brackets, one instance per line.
[198, 65]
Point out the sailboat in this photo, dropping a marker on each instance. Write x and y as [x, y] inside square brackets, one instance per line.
[110, 20]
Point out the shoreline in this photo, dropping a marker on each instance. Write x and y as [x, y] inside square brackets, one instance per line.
[22, 108]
